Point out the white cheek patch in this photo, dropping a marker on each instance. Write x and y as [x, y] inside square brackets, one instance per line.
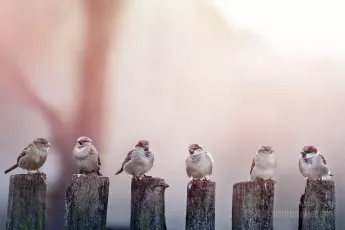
[309, 155]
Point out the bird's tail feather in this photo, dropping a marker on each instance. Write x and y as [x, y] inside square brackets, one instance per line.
[120, 171]
[10, 169]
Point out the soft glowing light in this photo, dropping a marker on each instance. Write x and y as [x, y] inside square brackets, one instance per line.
[304, 27]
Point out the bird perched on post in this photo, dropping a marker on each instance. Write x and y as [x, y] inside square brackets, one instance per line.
[138, 161]
[33, 156]
[86, 156]
[312, 164]
[199, 163]
[263, 164]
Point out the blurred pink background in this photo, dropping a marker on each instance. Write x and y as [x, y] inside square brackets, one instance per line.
[229, 75]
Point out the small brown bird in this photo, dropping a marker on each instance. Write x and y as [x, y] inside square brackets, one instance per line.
[33, 156]
[199, 163]
[138, 161]
[312, 164]
[263, 164]
[86, 156]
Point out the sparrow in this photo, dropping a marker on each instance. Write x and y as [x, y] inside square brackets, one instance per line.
[312, 164]
[33, 156]
[86, 156]
[263, 164]
[138, 161]
[199, 163]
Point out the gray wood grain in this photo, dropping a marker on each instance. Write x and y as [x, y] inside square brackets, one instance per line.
[200, 212]
[147, 204]
[317, 206]
[86, 203]
[27, 202]
[252, 205]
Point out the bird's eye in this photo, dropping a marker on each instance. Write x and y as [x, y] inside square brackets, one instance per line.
[80, 143]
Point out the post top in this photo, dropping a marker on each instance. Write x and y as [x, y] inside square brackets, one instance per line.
[148, 180]
[202, 182]
[29, 176]
[320, 184]
[83, 176]
[253, 183]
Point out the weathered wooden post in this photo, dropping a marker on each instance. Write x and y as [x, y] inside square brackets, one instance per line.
[86, 203]
[317, 206]
[27, 202]
[147, 204]
[200, 205]
[252, 205]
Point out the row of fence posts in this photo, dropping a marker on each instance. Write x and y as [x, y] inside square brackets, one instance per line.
[87, 201]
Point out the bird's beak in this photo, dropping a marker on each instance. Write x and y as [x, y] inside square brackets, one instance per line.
[48, 145]
[79, 144]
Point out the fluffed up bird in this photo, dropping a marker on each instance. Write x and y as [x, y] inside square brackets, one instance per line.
[86, 156]
[199, 163]
[263, 164]
[138, 161]
[312, 164]
[33, 156]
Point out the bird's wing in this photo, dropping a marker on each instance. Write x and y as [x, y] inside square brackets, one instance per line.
[24, 152]
[128, 158]
[189, 171]
[93, 151]
[99, 160]
[253, 164]
[208, 154]
[325, 163]
[188, 168]
[323, 159]
[212, 161]
[300, 164]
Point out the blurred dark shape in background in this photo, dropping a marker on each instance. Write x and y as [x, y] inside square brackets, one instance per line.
[99, 25]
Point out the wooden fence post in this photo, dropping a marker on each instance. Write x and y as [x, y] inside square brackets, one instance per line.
[200, 212]
[317, 206]
[147, 204]
[252, 205]
[27, 202]
[86, 203]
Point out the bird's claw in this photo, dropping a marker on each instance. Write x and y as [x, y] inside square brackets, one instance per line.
[207, 178]
[138, 178]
